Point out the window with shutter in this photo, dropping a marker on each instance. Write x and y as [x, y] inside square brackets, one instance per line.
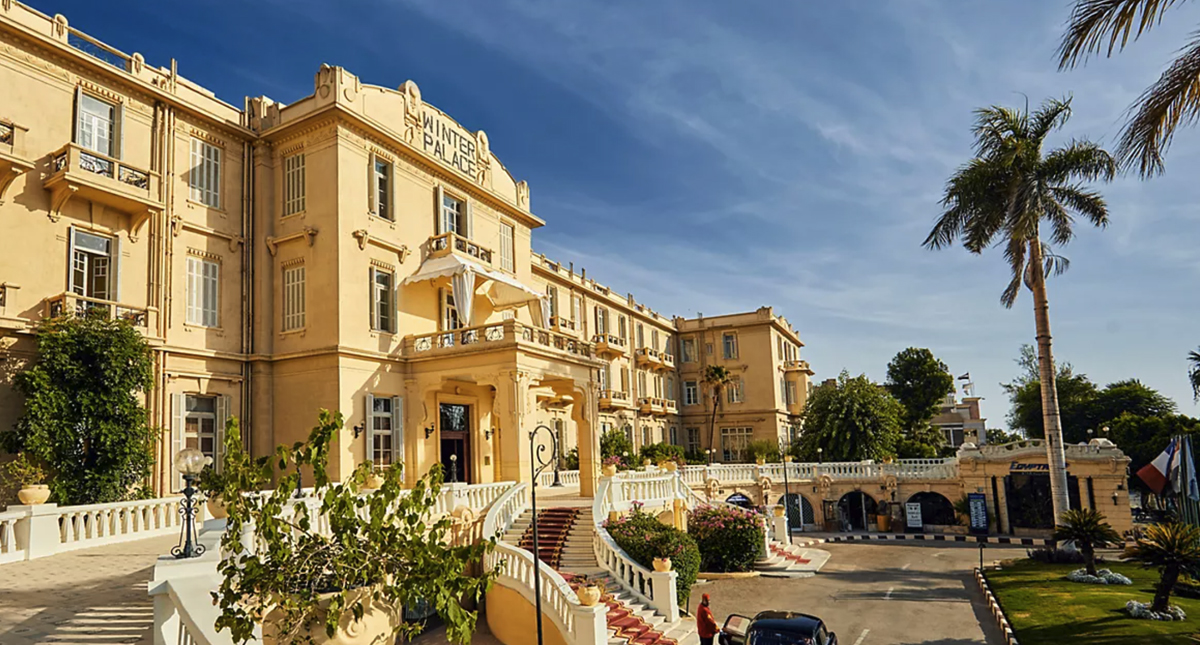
[204, 174]
[293, 298]
[507, 250]
[381, 185]
[382, 306]
[293, 184]
[203, 285]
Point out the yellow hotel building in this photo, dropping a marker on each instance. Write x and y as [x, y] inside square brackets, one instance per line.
[356, 250]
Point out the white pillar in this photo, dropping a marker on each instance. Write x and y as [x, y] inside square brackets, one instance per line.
[454, 494]
[766, 534]
[38, 533]
[666, 598]
[166, 618]
[591, 626]
[781, 529]
[615, 492]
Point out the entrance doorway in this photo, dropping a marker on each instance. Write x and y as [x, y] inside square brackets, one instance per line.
[854, 509]
[455, 432]
[1030, 505]
[935, 509]
[799, 510]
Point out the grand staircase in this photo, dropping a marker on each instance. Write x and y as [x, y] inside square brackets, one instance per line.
[565, 543]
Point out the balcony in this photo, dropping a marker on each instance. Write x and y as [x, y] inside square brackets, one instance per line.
[613, 399]
[668, 362]
[797, 366]
[13, 161]
[447, 243]
[609, 345]
[71, 304]
[562, 325]
[650, 405]
[647, 357]
[669, 407]
[504, 335]
[75, 170]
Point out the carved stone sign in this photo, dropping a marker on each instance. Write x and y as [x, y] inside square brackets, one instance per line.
[449, 143]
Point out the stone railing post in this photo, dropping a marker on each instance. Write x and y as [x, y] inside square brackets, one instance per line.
[454, 494]
[38, 532]
[616, 492]
[591, 627]
[766, 535]
[666, 597]
[781, 528]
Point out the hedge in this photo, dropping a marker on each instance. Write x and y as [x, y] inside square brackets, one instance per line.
[644, 538]
[730, 538]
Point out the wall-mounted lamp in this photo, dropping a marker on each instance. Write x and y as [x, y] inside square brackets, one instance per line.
[358, 430]
[487, 433]
[429, 432]
[1116, 497]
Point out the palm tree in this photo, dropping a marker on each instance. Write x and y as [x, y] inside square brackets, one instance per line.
[1102, 27]
[716, 377]
[1173, 548]
[1194, 373]
[1005, 195]
[1087, 529]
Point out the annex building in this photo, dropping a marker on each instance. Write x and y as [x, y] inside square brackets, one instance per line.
[358, 250]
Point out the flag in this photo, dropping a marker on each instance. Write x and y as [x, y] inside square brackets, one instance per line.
[1163, 470]
[965, 377]
[1183, 479]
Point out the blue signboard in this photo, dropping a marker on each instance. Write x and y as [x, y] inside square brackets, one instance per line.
[977, 502]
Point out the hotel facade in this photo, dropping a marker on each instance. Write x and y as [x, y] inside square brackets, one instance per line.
[357, 250]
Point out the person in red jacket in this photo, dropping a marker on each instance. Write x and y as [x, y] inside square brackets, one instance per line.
[706, 624]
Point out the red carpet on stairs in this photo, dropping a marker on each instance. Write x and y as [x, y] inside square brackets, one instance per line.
[553, 525]
[632, 628]
[791, 557]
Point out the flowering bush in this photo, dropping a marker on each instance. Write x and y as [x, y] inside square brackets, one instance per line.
[1102, 577]
[644, 538]
[730, 538]
[1142, 610]
[614, 461]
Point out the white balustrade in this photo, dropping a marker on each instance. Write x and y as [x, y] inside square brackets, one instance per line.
[658, 590]
[565, 477]
[10, 551]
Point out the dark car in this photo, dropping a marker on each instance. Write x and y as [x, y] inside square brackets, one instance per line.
[776, 628]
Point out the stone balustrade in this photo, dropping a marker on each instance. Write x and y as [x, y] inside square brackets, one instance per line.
[30, 532]
[500, 335]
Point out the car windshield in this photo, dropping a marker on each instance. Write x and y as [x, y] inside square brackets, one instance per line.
[775, 637]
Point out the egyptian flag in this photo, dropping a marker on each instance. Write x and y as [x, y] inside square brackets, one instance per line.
[1164, 469]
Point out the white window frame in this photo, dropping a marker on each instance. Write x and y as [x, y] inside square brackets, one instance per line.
[204, 174]
[691, 393]
[688, 349]
[448, 318]
[383, 301]
[395, 428]
[93, 265]
[734, 441]
[453, 212]
[729, 345]
[577, 311]
[294, 297]
[692, 440]
[552, 294]
[203, 292]
[736, 390]
[294, 185]
[792, 398]
[601, 320]
[508, 249]
[97, 132]
[381, 188]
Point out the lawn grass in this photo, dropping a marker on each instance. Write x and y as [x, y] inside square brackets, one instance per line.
[1046, 609]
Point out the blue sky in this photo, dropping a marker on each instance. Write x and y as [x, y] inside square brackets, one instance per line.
[714, 157]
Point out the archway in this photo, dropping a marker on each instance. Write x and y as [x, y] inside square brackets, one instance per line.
[800, 511]
[738, 499]
[935, 508]
[856, 508]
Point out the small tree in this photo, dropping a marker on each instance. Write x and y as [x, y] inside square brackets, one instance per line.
[1194, 373]
[615, 443]
[851, 420]
[84, 416]
[1173, 548]
[763, 449]
[920, 382]
[1087, 529]
[716, 377]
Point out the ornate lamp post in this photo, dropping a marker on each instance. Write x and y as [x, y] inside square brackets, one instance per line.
[784, 449]
[453, 468]
[537, 464]
[819, 459]
[189, 462]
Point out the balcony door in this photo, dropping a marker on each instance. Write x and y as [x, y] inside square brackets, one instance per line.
[92, 265]
[455, 432]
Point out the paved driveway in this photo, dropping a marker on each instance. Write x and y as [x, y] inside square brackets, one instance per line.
[878, 594]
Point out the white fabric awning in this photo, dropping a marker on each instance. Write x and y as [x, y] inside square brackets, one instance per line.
[502, 290]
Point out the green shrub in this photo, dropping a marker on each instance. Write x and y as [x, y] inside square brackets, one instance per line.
[695, 458]
[730, 538]
[644, 538]
[660, 452]
[614, 443]
[571, 460]
[763, 449]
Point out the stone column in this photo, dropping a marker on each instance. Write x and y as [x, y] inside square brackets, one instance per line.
[666, 598]
[510, 410]
[586, 413]
[591, 626]
[781, 529]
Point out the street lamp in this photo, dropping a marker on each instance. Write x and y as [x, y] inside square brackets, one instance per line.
[189, 462]
[537, 464]
[453, 468]
[709, 452]
[784, 449]
[819, 451]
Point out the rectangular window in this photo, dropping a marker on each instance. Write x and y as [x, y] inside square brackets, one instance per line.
[293, 184]
[654, 339]
[625, 379]
[691, 393]
[642, 389]
[674, 436]
[91, 265]
[293, 298]
[621, 331]
[604, 377]
[693, 440]
[708, 349]
[454, 213]
[577, 311]
[670, 388]
[383, 317]
[641, 335]
[735, 389]
[450, 320]
[204, 174]
[791, 393]
[203, 287]
[689, 350]
[507, 248]
[552, 294]
[734, 442]
[729, 342]
[381, 180]
[646, 436]
[96, 126]
[200, 424]
[601, 320]
[658, 387]
[383, 453]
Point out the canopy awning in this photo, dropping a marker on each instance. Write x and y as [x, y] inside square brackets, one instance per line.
[501, 289]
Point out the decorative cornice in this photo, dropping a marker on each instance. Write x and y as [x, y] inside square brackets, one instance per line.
[178, 224]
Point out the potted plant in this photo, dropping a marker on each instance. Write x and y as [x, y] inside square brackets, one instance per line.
[374, 479]
[348, 577]
[883, 517]
[610, 466]
[29, 477]
[662, 564]
[211, 483]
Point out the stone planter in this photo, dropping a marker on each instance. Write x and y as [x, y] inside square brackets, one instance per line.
[609, 471]
[589, 596]
[662, 564]
[374, 481]
[216, 508]
[760, 461]
[376, 625]
[34, 494]
[787, 459]
[647, 463]
[778, 510]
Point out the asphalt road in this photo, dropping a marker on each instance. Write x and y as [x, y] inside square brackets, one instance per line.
[878, 593]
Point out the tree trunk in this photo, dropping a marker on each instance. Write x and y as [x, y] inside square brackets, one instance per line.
[1162, 594]
[712, 424]
[1089, 556]
[1051, 419]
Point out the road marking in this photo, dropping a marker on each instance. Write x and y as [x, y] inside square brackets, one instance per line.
[905, 567]
[888, 595]
[862, 636]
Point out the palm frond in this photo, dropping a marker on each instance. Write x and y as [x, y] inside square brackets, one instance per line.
[1086, 202]
[1014, 252]
[1097, 26]
[1051, 116]
[1061, 222]
[971, 210]
[1194, 373]
[995, 128]
[1173, 100]
[1078, 160]
[1053, 263]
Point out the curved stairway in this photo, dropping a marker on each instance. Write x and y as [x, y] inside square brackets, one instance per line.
[565, 543]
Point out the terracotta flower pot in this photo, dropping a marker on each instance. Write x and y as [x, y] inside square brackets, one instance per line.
[647, 463]
[787, 459]
[216, 508]
[376, 625]
[589, 596]
[662, 564]
[778, 510]
[34, 494]
[760, 461]
[609, 470]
